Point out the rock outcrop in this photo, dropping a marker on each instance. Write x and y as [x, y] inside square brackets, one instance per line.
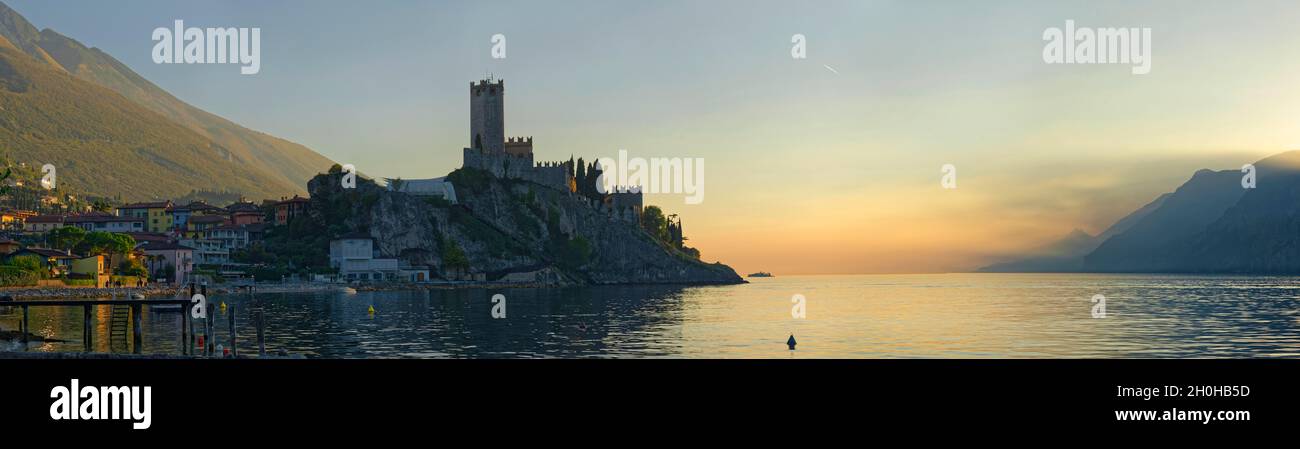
[507, 229]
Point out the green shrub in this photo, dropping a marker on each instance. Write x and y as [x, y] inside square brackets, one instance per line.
[11, 276]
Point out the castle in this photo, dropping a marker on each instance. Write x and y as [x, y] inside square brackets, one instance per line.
[492, 152]
[512, 158]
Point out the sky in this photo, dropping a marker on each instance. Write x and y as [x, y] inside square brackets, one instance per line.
[823, 165]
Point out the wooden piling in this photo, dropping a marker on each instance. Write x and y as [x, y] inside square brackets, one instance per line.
[87, 330]
[189, 320]
[234, 336]
[208, 348]
[184, 312]
[137, 335]
[26, 329]
[261, 326]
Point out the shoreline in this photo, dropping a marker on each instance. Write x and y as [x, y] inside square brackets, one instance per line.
[26, 293]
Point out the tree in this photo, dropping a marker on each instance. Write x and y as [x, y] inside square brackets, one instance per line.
[453, 256]
[654, 223]
[99, 242]
[66, 237]
[131, 268]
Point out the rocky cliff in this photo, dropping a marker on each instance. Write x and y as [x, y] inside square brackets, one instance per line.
[503, 228]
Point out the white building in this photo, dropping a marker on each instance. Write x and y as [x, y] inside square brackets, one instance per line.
[105, 223]
[231, 236]
[208, 251]
[439, 187]
[354, 256]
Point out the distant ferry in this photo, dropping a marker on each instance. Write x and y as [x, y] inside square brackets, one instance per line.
[761, 274]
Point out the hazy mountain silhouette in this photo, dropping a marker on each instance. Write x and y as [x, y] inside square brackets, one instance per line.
[1184, 213]
[276, 166]
[1210, 224]
[1066, 254]
[1259, 234]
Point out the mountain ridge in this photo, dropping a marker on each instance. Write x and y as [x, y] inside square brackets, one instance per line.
[1209, 224]
[283, 165]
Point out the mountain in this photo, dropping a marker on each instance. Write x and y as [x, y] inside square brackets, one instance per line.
[277, 166]
[1066, 254]
[1146, 246]
[1259, 234]
[102, 143]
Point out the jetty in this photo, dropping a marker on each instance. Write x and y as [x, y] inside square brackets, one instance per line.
[129, 323]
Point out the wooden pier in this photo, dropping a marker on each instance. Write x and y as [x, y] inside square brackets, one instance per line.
[136, 307]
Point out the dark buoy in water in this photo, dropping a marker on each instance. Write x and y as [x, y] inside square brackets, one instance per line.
[791, 342]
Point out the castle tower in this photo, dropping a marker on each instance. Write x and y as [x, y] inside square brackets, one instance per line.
[487, 117]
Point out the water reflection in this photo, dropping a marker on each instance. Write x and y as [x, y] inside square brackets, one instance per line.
[957, 315]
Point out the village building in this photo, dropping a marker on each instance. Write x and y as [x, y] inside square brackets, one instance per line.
[165, 256]
[55, 261]
[353, 255]
[8, 246]
[287, 209]
[103, 222]
[157, 218]
[43, 223]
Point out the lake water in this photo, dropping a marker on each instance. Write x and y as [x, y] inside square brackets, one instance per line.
[870, 316]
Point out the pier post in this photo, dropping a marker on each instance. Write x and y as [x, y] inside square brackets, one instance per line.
[185, 311]
[26, 329]
[234, 336]
[87, 330]
[137, 337]
[261, 326]
[207, 331]
[189, 320]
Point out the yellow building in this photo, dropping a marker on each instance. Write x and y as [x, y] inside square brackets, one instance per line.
[89, 267]
[155, 214]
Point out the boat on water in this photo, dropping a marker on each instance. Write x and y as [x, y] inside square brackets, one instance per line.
[761, 274]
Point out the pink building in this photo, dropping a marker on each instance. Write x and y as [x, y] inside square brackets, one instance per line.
[161, 255]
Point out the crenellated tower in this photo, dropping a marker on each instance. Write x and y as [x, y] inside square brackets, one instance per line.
[487, 116]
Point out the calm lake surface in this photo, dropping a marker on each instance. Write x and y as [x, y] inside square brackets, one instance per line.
[873, 316]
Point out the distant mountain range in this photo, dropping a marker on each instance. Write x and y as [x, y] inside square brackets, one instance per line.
[1210, 224]
[109, 131]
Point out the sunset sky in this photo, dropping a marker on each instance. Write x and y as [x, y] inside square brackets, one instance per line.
[829, 164]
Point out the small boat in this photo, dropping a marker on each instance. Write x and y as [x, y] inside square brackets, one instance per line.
[761, 274]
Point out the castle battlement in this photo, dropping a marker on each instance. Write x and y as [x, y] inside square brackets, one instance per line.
[486, 86]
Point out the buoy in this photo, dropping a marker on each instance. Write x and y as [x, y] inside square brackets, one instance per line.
[372, 310]
[223, 307]
[225, 352]
[200, 341]
[791, 342]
